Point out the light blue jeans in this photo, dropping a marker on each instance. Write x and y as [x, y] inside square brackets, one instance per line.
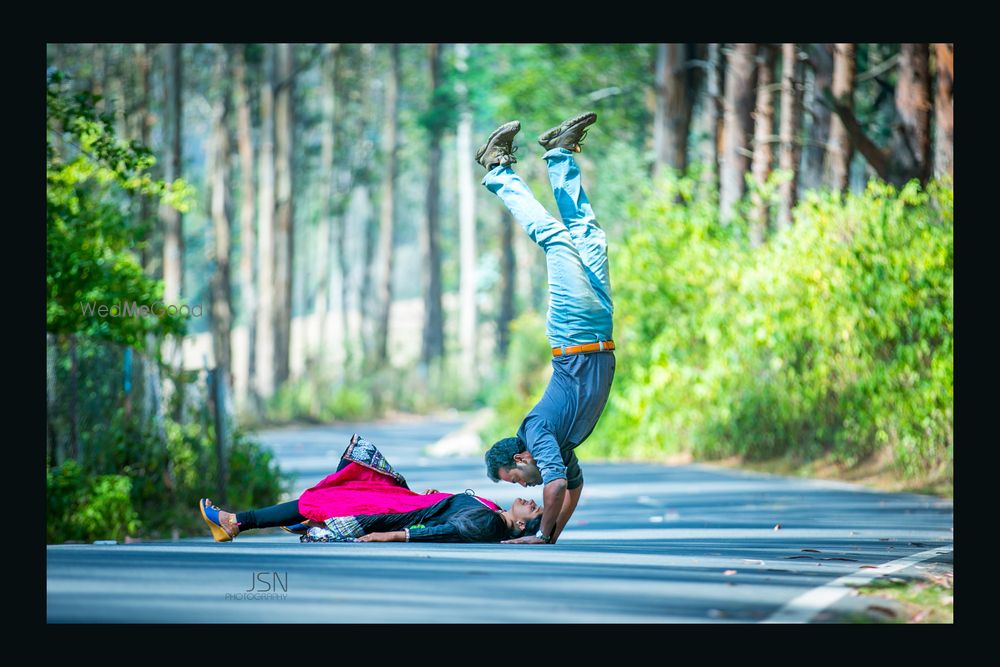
[576, 250]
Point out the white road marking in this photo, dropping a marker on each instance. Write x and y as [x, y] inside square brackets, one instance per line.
[810, 603]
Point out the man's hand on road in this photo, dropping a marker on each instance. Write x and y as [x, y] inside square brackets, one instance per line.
[527, 539]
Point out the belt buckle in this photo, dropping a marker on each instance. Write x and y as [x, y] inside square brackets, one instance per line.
[601, 343]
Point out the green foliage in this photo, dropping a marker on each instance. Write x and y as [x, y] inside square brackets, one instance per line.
[86, 508]
[834, 339]
[90, 235]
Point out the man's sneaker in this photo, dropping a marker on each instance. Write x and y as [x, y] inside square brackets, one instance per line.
[569, 134]
[499, 148]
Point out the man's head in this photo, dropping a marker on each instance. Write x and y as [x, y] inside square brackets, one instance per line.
[507, 460]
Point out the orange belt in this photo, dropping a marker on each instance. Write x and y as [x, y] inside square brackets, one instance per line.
[600, 346]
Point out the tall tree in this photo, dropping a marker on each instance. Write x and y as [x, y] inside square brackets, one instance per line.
[466, 221]
[222, 311]
[326, 244]
[248, 234]
[908, 154]
[284, 231]
[432, 348]
[674, 99]
[507, 266]
[791, 114]
[763, 131]
[173, 237]
[387, 209]
[839, 147]
[814, 152]
[265, 229]
[712, 113]
[944, 135]
[144, 123]
[737, 127]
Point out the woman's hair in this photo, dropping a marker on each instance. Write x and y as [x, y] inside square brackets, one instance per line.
[481, 524]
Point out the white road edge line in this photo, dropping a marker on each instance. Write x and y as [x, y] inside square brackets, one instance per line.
[802, 608]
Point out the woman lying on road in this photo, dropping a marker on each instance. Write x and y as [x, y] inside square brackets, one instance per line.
[365, 500]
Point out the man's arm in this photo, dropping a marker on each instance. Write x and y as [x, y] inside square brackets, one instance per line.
[570, 499]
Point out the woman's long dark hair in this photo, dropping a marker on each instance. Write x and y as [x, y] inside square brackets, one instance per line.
[474, 525]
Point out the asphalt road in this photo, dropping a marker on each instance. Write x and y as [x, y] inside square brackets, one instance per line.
[647, 544]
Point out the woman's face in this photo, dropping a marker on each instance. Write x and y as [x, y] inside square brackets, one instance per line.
[525, 510]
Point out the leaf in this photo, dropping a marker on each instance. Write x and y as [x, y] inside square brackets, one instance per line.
[918, 544]
[884, 610]
[754, 561]
[777, 526]
[863, 567]
[816, 551]
[729, 572]
[853, 560]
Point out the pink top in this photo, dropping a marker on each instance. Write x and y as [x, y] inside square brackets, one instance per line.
[357, 489]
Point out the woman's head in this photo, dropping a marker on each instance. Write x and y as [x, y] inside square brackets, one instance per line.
[527, 518]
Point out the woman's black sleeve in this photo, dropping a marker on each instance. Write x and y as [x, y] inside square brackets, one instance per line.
[444, 532]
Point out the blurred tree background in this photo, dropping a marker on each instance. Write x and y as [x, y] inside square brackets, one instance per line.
[779, 219]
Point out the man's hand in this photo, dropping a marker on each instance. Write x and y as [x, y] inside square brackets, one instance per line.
[527, 539]
[395, 536]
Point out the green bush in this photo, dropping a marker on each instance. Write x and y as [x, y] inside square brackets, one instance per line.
[87, 508]
[833, 339]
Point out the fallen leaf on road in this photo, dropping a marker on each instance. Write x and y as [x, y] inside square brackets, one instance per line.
[853, 560]
[815, 551]
[884, 610]
[921, 616]
[874, 567]
[918, 544]
[777, 526]
[797, 556]
[729, 572]
[885, 539]
[751, 560]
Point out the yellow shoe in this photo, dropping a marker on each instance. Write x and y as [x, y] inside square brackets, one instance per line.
[210, 513]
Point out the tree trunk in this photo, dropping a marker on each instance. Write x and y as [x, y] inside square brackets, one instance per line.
[466, 225]
[839, 147]
[284, 232]
[433, 339]
[265, 230]
[712, 113]
[814, 153]
[737, 127]
[387, 210]
[248, 234]
[222, 311]
[673, 107]
[791, 114]
[173, 237]
[763, 131]
[944, 131]
[325, 245]
[506, 310]
[912, 147]
[144, 123]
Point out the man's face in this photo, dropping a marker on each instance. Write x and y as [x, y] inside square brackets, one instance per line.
[526, 473]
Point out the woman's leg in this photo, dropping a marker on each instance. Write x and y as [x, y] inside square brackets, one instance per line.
[576, 314]
[285, 514]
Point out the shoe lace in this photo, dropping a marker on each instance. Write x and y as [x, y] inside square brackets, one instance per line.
[579, 142]
[510, 159]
